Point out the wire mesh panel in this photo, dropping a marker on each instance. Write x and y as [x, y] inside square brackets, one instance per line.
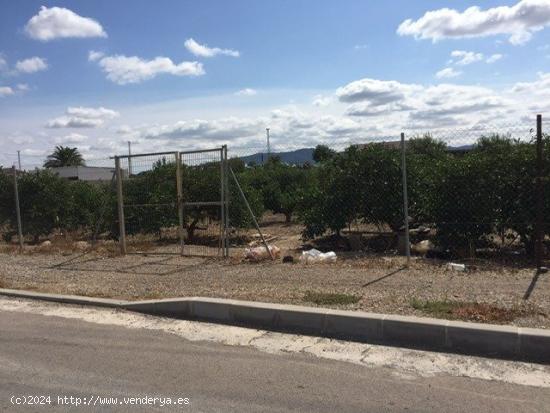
[473, 192]
[204, 210]
[344, 196]
[150, 208]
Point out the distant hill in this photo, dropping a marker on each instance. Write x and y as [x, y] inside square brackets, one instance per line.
[301, 156]
[297, 157]
[463, 148]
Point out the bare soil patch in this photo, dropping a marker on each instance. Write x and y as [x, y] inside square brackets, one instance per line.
[363, 280]
[380, 283]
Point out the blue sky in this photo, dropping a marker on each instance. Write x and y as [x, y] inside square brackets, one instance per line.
[312, 71]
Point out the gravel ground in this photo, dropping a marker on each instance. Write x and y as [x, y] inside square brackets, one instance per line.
[381, 283]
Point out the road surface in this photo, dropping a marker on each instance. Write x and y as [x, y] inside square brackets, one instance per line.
[98, 355]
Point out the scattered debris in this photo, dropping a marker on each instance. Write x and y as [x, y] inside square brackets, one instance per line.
[453, 266]
[260, 253]
[421, 230]
[423, 247]
[258, 241]
[314, 256]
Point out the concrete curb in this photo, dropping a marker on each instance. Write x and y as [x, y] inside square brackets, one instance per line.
[60, 298]
[499, 341]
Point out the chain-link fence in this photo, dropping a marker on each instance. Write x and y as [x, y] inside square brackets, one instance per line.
[478, 194]
[472, 194]
[173, 202]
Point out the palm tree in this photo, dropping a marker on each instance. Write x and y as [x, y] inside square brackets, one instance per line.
[64, 156]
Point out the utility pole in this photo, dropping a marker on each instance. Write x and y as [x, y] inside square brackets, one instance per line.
[19, 159]
[268, 147]
[129, 159]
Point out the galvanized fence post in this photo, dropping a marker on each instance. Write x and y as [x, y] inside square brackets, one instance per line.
[222, 203]
[120, 202]
[17, 209]
[179, 184]
[226, 199]
[540, 198]
[405, 199]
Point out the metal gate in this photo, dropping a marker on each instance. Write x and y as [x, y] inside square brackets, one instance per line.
[173, 202]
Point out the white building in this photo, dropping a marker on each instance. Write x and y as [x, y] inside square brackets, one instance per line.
[86, 173]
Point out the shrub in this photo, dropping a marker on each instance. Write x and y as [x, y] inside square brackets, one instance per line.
[281, 186]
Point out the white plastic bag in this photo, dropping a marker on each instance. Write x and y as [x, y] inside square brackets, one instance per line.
[314, 256]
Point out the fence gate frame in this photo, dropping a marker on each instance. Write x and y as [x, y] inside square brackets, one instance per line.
[223, 203]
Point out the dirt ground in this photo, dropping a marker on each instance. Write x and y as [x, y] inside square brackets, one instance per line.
[378, 284]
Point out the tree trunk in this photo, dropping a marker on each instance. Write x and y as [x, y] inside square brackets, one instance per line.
[191, 230]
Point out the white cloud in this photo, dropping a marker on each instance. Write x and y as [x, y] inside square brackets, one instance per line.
[540, 87]
[411, 106]
[448, 72]
[448, 100]
[93, 55]
[519, 22]
[465, 58]
[58, 22]
[494, 57]
[92, 113]
[18, 89]
[199, 130]
[370, 110]
[374, 91]
[123, 69]
[203, 50]
[83, 117]
[31, 65]
[361, 46]
[72, 138]
[246, 92]
[6, 91]
[124, 130]
[290, 128]
[73, 122]
[321, 101]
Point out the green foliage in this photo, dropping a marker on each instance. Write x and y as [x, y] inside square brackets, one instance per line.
[64, 156]
[90, 207]
[323, 153]
[48, 202]
[468, 198]
[471, 199]
[362, 184]
[281, 186]
[426, 145]
[7, 209]
[41, 198]
[151, 198]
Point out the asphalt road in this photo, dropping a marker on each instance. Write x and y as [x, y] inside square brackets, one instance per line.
[47, 355]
